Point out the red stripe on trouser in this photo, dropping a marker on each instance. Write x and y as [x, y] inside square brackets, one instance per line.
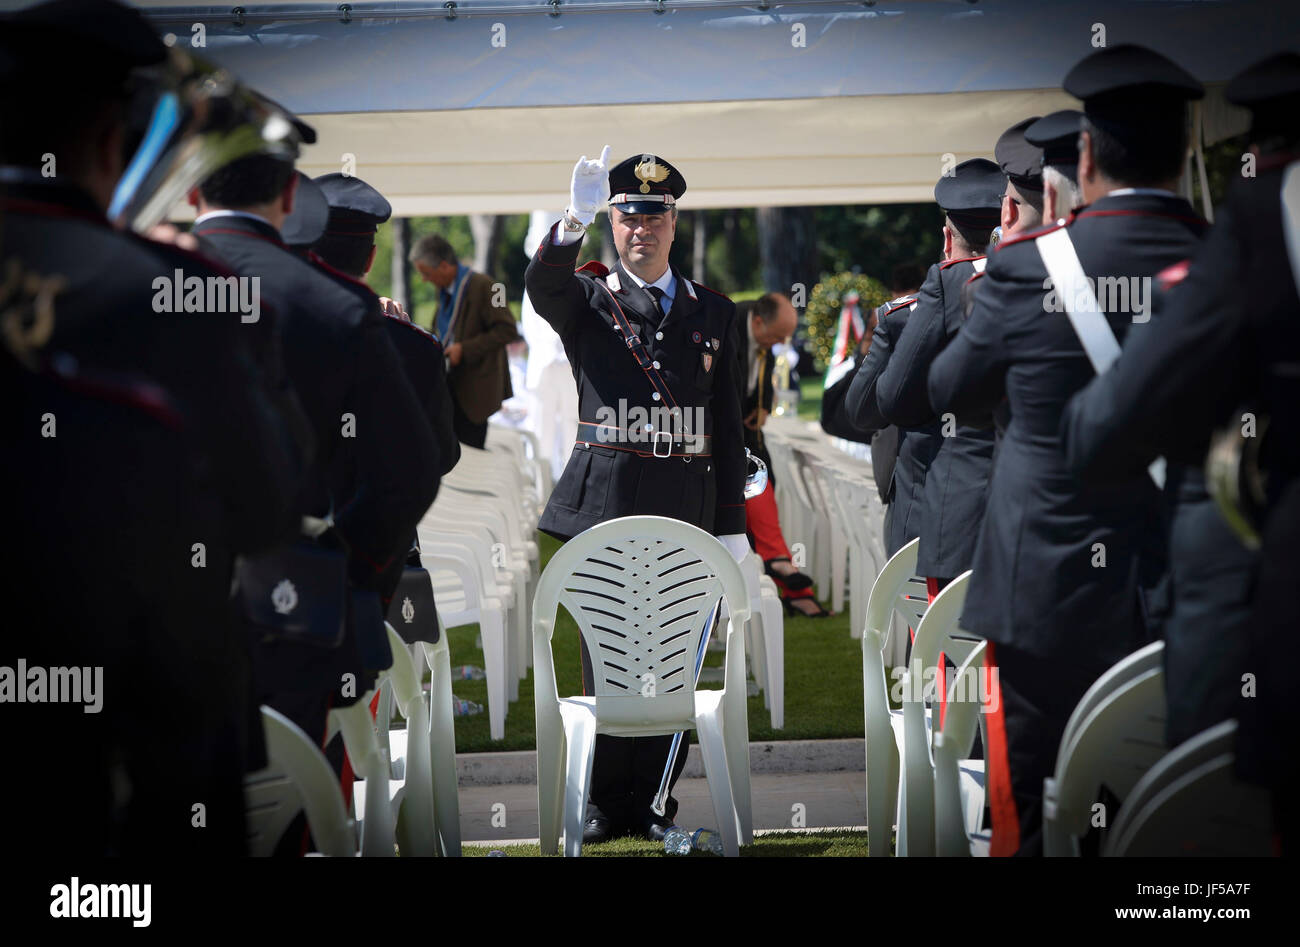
[763, 524]
[932, 589]
[1002, 803]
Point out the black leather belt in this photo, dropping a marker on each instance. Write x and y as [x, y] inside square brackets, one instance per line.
[646, 443]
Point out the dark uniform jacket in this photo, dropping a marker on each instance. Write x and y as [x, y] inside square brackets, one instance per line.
[835, 419]
[957, 481]
[916, 445]
[113, 314]
[422, 359]
[694, 347]
[226, 376]
[1225, 340]
[369, 427]
[1040, 584]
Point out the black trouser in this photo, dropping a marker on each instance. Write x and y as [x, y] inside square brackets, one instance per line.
[626, 772]
[1038, 696]
[469, 433]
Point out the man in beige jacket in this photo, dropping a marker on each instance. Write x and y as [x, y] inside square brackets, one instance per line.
[475, 325]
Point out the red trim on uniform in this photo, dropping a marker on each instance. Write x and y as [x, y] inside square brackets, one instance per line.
[1141, 213]
[902, 305]
[975, 277]
[595, 268]
[21, 205]
[145, 396]
[710, 289]
[1031, 235]
[1171, 276]
[1002, 802]
[932, 590]
[965, 259]
[240, 233]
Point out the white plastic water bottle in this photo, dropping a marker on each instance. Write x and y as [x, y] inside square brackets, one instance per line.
[707, 840]
[677, 841]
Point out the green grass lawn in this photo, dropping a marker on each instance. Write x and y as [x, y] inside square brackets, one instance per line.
[823, 682]
[810, 398]
[778, 845]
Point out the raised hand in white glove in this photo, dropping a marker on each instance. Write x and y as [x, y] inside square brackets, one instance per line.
[737, 544]
[590, 187]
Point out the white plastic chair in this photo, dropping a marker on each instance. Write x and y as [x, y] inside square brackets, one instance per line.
[766, 643]
[1190, 803]
[641, 590]
[959, 785]
[938, 633]
[1114, 736]
[297, 778]
[896, 589]
[459, 590]
[371, 798]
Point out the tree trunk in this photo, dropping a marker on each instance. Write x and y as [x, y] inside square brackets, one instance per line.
[401, 269]
[486, 230]
[787, 242]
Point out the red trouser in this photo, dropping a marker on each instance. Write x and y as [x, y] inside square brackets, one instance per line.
[764, 528]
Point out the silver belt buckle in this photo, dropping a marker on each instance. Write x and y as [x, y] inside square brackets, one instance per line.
[667, 442]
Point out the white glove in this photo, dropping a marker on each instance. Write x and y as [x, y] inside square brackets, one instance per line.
[737, 544]
[590, 187]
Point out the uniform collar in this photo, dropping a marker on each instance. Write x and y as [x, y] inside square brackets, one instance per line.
[235, 220]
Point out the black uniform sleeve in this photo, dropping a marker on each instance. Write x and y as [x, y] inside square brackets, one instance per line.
[1175, 375]
[834, 418]
[440, 412]
[396, 457]
[968, 378]
[556, 293]
[901, 388]
[729, 465]
[860, 403]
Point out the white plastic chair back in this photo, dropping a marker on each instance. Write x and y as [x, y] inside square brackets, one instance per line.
[938, 633]
[297, 778]
[413, 801]
[1189, 803]
[641, 590]
[958, 792]
[1118, 740]
[895, 589]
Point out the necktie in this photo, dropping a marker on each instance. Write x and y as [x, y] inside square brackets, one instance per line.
[658, 295]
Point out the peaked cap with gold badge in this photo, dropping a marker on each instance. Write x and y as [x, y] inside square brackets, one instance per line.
[645, 184]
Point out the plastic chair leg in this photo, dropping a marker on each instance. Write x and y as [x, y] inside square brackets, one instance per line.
[377, 835]
[580, 746]
[497, 668]
[709, 730]
[442, 749]
[774, 659]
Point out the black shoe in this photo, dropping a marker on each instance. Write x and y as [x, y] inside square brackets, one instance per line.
[795, 581]
[800, 613]
[597, 830]
[656, 827]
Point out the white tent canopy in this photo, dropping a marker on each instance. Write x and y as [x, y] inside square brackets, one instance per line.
[806, 102]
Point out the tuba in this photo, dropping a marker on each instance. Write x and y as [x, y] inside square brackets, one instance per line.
[199, 119]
